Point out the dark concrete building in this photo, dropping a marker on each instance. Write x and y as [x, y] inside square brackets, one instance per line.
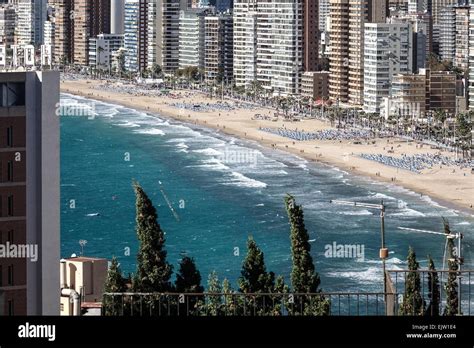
[29, 192]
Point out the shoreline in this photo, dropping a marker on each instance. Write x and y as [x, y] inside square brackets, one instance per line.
[241, 127]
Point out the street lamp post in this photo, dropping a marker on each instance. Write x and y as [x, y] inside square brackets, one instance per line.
[383, 252]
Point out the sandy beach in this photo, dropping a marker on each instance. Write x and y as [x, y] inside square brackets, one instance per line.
[448, 185]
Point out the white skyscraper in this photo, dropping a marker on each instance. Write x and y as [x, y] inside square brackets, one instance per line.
[245, 42]
[280, 45]
[268, 44]
[387, 51]
[191, 38]
[323, 14]
[447, 33]
[163, 33]
[30, 22]
[437, 6]
[454, 35]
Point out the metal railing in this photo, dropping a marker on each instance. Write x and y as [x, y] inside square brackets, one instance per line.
[463, 280]
[297, 304]
[240, 304]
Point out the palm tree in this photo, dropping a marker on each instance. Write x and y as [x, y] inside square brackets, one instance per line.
[120, 59]
[99, 59]
[441, 118]
[155, 71]
[257, 88]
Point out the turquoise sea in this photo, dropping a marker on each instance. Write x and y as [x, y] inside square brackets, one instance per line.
[222, 190]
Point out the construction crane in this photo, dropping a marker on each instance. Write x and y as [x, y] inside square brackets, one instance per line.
[458, 257]
[383, 253]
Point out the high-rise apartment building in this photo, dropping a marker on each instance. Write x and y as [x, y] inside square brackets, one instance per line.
[218, 51]
[90, 18]
[192, 37]
[461, 54]
[31, 15]
[280, 45]
[29, 192]
[422, 31]
[346, 58]
[323, 14]
[245, 42]
[50, 28]
[447, 33]
[436, 6]
[7, 25]
[63, 31]
[136, 35]
[388, 51]
[454, 35]
[471, 59]
[163, 33]
[339, 51]
[269, 43]
[76, 21]
[310, 34]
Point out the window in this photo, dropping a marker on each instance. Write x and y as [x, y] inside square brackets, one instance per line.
[10, 171]
[10, 205]
[10, 136]
[10, 275]
[11, 311]
[12, 94]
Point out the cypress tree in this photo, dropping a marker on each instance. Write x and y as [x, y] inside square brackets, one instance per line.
[413, 303]
[433, 289]
[213, 305]
[231, 304]
[255, 279]
[451, 286]
[280, 290]
[112, 305]
[304, 278]
[188, 280]
[153, 271]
